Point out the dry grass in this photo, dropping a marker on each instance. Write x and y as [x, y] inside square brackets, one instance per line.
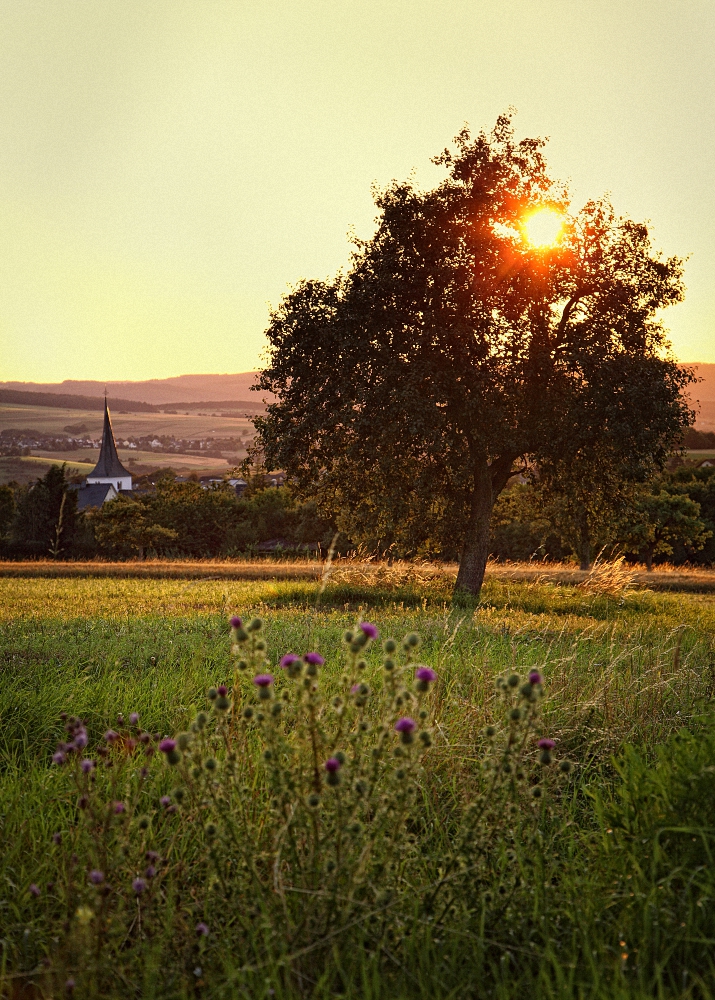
[612, 578]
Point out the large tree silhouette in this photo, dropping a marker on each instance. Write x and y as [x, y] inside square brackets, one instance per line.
[454, 352]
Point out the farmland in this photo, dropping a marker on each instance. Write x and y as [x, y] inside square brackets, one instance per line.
[600, 907]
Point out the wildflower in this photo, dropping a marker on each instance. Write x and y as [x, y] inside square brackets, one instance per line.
[222, 690]
[150, 871]
[34, 890]
[138, 885]
[263, 680]
[118, 808]
[546, 744]
[96, 877]
[151, 856]
[167, 745]
[236, 622]
[535, 677]
[56, 838]
[70, 984]
[315, 659]
[289, 660]
[87, 765]
[202, 929]
[59, 757]
[110, 736]
[134, 719]
[332, 766]
[165, 801]
[405, 727]
[81, 740]
[368, 629]
[84, 915]
[424, 677]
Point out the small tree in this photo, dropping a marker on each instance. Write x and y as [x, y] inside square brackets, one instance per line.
[124, 526]
[411, 389]
[657, 519]
[45, 516]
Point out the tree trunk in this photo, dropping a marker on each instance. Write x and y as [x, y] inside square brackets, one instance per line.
[584, 539]
[475, 549]
[648, 553]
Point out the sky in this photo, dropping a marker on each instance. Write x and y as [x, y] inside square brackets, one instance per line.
[168, 168]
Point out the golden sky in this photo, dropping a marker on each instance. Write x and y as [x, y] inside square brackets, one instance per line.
[168, 167]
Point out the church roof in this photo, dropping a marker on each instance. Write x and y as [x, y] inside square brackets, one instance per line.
[108, 466]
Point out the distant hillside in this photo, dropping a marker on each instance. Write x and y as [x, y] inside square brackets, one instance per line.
[211, 389]
[63, 401]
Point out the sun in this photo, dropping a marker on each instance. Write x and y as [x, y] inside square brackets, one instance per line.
[543, 227]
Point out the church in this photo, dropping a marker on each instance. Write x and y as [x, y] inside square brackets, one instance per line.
[108, 478]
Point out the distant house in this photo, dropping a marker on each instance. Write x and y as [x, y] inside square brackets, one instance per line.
[94, 494]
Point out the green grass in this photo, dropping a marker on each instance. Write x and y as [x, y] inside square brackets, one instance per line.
[635, 671]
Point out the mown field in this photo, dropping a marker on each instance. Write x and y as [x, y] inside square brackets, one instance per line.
[602, 887]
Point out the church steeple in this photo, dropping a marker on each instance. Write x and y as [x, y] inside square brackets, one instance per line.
[109, 469]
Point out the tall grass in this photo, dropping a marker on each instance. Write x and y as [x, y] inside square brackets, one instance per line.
[594, 872]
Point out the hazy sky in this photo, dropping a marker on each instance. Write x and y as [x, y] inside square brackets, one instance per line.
[168, 167]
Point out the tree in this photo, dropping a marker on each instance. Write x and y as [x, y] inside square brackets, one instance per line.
[413, 387]
[659, 518]
[45, 517]
[124, 526]
[7, 510]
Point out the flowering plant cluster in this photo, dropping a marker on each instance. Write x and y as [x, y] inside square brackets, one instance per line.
[293, 812]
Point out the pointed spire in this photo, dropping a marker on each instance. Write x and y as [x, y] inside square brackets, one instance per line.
[108, 466]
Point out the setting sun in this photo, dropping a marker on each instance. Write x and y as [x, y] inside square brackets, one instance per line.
[544, 227]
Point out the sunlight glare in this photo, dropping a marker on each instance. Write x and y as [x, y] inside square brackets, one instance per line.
[544, 227]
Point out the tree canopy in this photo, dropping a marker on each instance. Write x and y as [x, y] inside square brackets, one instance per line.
[454, 353]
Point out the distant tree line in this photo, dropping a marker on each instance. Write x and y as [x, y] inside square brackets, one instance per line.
[174, 519]
[670, 518]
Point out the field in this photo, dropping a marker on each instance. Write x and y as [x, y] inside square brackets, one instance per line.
[603, 889]
[50, 420]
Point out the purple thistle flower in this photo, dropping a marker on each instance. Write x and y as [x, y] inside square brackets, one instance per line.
[59, 757]
[535, 677]
[96, 877]
[405, 725]
[236, 622]
[546, 744]
[426, 674]
[263, 680]
[150, 871]
[151, 856]
[87, 765]
[222, 690]
[110, 736]
[134, 719]
[138, 885]
[80, 741]
[34, 890]
[202, 929]
[354, 689]
[118, 807]
[165, 801]
[332, 765]
[167, 745]
[56, 838]
[315, 658]
[288, 660]
[368, 629]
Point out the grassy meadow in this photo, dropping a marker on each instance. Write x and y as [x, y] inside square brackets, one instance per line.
[607, 891]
